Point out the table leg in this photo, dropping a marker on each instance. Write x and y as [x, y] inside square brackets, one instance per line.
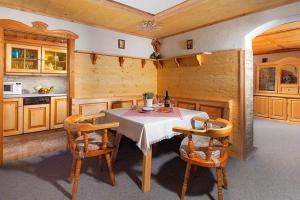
[117, 144]
[147, 171]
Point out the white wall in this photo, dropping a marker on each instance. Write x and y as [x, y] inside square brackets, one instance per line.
[276, 56]
[230, 34]
[90, 38]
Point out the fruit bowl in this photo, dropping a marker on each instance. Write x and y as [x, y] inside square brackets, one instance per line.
[45, 90]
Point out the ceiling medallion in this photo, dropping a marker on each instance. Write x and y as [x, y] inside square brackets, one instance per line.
[148, 25]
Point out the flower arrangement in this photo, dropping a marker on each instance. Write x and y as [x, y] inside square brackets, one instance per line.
[148, 95]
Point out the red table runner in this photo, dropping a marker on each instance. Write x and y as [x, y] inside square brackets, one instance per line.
[134, 113]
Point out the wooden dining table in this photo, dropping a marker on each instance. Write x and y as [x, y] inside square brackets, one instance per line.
[147, 129]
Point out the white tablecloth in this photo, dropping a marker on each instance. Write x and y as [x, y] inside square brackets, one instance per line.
[149, 130]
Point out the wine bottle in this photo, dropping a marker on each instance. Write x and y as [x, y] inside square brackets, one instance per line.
[167, 99]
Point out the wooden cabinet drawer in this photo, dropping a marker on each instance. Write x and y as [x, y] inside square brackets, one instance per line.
[289, 90]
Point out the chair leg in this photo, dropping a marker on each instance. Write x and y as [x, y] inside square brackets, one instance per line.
[71, 176]
[100, 162]
[185, 180]
[225, 182]
[76, 177]
[110, 168]
[219, 182]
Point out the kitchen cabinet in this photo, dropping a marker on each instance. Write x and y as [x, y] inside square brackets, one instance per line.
[266, 80]
[261, 106]
[26, 59]
[36, 118]
[12, 116]
[59, 111]
[288, 78]
[54, 60]
[294, 110]
[277, 108]
[23, 58]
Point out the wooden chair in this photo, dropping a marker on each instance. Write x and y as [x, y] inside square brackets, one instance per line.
[86, 140]
[206, 147]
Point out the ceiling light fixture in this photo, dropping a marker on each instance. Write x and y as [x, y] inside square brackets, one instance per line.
[148, 25]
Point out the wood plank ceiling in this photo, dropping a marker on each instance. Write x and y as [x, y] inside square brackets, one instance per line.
[282, 38]
[184, 17]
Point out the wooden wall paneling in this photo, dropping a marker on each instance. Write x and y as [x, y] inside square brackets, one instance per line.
[92, 108]
[217, 78]
[277, 108]
[71, 73]
[122, 104]
[187, 105]
[107, 79]
[213, 112]
[1, 91]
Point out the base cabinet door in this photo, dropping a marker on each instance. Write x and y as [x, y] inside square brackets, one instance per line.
[278, 108]
[261, 106]
[294, 110]
[36, 118]
[59, 112]
[12, 116]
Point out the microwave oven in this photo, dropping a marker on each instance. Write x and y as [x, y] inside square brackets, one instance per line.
[12, 88]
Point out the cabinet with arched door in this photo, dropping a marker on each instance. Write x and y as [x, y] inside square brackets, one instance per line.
[277, 85]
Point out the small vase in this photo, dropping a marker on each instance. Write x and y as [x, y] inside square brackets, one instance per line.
[148, 103]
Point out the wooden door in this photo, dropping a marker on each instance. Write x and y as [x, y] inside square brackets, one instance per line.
[36, 118]
[12, 116]
[261, 106]
[59, 111]
[277, 108]
[294, 110]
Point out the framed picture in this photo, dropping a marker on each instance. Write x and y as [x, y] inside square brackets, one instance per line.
[189, 44]
[121, 44]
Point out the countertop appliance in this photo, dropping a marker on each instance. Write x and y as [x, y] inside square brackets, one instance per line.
[36, 100]
[12, 88]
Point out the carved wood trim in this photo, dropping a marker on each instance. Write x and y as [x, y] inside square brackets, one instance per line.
[39, 28]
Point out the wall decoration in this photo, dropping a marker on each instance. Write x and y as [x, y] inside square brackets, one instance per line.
[189, 44]
[121, 44]
[156, 47]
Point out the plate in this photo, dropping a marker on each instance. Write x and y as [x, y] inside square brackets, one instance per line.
[147, 109]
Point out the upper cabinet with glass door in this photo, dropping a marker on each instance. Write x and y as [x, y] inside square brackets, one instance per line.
[289, 76]
[266, 78]
[23, 58]
[54, 60]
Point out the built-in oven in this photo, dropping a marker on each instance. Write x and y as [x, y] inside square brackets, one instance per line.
[12, 88]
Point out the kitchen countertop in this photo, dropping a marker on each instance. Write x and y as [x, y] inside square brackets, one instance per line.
[9, 96]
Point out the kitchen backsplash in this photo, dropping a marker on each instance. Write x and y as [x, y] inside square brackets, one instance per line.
[30, 82]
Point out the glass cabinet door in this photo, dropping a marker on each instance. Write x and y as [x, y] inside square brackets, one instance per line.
[267, 79]
[21, 58]
[54, 60]
[289, 74]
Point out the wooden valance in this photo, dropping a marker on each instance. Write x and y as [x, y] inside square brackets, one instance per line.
[39, 28]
